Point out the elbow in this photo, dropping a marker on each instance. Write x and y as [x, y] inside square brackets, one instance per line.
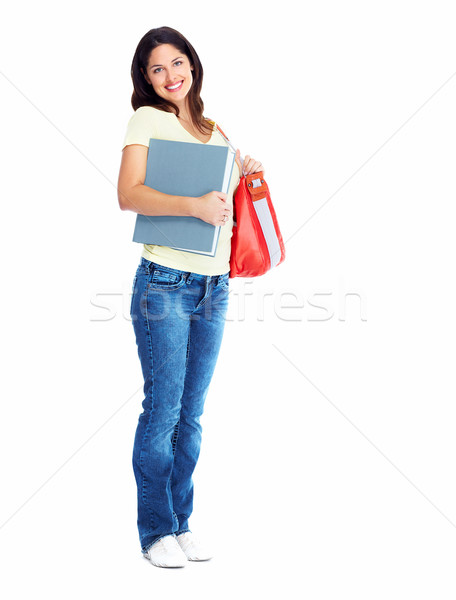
[122, 199]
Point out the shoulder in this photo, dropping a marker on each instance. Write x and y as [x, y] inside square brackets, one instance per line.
[148, 118]
[148, 114]
[148, 109]
[145, 123]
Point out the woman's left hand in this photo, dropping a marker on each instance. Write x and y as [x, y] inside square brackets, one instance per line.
[250, 164]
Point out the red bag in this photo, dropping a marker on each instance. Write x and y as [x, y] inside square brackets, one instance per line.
[257, 244]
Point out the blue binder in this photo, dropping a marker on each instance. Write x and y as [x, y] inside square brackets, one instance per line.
[184, 169]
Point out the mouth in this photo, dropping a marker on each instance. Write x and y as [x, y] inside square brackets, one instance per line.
[174, 88]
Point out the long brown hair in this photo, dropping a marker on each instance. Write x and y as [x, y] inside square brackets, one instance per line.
[144, 93]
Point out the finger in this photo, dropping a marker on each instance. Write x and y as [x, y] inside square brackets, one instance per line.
[254, 166]
[246, 162]
[251, 166]
[245, 167]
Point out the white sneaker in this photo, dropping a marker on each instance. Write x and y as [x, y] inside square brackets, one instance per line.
[166, 553]
[192, 548]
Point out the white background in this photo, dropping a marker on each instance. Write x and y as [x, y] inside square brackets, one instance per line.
[328, 458]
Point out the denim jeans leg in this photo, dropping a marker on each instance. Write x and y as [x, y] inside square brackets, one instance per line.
[206, 332]
[162, 340]
[178, 319]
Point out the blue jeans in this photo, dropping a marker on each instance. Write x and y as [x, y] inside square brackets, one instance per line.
[178, 319]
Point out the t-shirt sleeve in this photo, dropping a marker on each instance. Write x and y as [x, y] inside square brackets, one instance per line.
[141, 127]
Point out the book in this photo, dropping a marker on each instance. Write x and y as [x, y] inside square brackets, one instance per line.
[184, 169]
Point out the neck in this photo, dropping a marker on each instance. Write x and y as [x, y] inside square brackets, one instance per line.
[184, 112]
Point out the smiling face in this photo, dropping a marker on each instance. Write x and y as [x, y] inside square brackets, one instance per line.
[170, 73]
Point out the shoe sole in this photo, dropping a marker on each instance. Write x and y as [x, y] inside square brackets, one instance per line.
[199, 559]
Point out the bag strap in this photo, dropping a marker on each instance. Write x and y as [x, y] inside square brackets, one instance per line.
[231, 146]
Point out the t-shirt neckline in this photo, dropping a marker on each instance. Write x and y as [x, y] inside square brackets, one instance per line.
[192, 136]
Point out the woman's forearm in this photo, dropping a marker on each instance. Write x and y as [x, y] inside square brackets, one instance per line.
[144, 200]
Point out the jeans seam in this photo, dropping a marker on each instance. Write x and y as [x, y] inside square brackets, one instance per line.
[163, 287]
[188, 349]
[175, 437]
[147, 431]
[135, 279]
[202, 302]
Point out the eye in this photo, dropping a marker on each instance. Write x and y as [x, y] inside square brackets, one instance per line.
[177, 63]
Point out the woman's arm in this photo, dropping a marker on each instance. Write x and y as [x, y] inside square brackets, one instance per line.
[135, 196]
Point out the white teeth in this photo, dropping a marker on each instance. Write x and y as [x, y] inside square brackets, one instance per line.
[173, 87]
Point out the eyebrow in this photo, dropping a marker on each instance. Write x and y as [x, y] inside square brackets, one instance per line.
[162, 65]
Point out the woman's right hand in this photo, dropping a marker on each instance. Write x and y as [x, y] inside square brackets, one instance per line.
[212, 208]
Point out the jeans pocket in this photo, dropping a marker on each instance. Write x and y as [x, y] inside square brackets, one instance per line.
[164, 279]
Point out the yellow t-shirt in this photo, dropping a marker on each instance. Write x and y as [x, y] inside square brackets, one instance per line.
[149, 122]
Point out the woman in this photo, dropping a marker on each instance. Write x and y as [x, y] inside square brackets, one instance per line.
[179, 299]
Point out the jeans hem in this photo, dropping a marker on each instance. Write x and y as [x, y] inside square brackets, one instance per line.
[182, 531]
[145, 549]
